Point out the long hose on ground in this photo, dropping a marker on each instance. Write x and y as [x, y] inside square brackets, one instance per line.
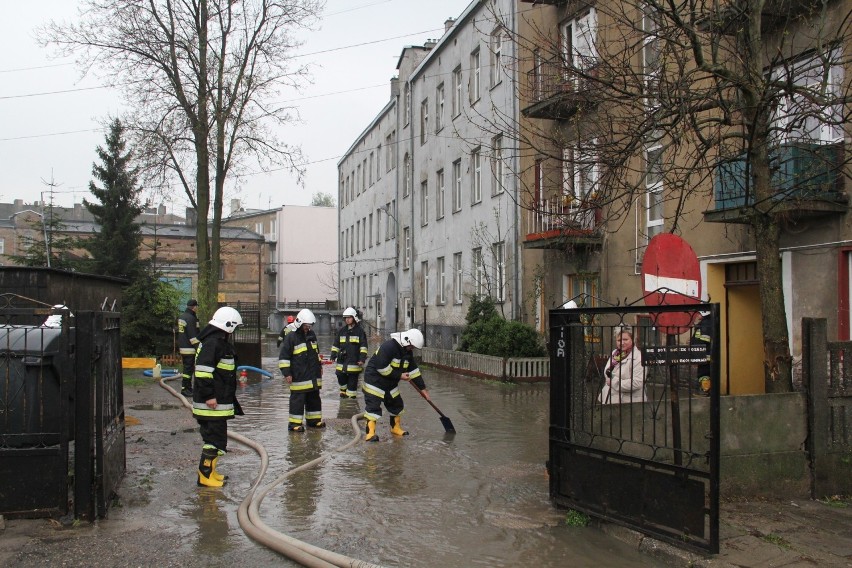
[248, 513]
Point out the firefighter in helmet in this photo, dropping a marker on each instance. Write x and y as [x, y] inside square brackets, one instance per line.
[350, 352]
[300, 364]
[188, 344]
[214, 400]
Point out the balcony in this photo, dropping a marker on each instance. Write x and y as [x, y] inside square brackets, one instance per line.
[556, 223]
[557, 91]
[551, 2]
[807, 180]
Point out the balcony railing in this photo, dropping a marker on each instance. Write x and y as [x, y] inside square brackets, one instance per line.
[559, 218]
[556, 90]
[806, 178]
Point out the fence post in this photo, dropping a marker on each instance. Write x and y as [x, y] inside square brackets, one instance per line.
[815, 381]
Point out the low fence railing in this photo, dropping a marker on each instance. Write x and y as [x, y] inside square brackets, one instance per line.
[513, 369]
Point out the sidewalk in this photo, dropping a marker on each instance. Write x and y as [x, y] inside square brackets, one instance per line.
[765, 534]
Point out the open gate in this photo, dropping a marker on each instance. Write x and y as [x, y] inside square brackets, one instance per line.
[647, 459]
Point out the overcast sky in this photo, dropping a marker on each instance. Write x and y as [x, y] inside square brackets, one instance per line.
[50, 117]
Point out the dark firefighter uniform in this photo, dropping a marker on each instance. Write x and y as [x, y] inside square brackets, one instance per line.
[350, 352]
[187, 345]
[381, 385]
[215, 377]
[299, 359]
[701, 336]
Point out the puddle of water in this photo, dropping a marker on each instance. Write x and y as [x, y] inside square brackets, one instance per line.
[479, 498]
[155, 406]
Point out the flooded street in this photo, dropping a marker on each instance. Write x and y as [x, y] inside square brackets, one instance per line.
[476, 498]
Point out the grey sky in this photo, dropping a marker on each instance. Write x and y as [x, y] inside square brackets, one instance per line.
[50, 117]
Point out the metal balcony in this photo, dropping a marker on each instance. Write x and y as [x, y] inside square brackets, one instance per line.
[807, 180]
[557, 91]
[556, 223]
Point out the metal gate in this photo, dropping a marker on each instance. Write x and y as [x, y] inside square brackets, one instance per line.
[634, 438]
[61, 410]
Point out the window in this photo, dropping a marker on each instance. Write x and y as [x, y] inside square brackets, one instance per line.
[578, 41]
[358, 236]
[364, 233]
[424, 274]
[650, 55]
[424, 121]
[476, 181]
[497, 165]
[370, 176]
[800, 117]
[406, 248]
[498, 251]
[439, 198]
[424, 202]
[379, 226]
[458, 278]
[457, 91]
[439, 108]
[538, 75]
[477, 269]
[357, 181]
[389, 154]
[496, 56]
[406, 104]
[370, 238]
[364, 177]
[378, 162]
[442, 281]
[258, 228]
[579, 174]
[388, 216]
[2, 246]
[654, 191]
[475, 72]
[406, 175]
[457, 186]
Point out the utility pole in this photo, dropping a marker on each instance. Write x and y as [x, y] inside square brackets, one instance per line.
[44, 221]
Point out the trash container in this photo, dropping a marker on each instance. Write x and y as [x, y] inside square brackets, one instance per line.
[30, 385]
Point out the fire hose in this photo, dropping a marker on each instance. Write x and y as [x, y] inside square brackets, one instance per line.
[248, 512]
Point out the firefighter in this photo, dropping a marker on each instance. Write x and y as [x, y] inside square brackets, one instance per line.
[300, 364]
[288, 327]
[701, 335]
[392, 362]
[350, 352]
[188, 344]
[214, 400]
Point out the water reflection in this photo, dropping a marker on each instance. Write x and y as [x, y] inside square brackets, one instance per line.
[479, 498]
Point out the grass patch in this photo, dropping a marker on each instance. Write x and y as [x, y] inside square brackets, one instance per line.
[838, 501]
[777, 540]
[577, 519]
[136, 381]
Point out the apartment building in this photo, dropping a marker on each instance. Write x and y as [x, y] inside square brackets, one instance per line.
[592, 202]
[428, 193]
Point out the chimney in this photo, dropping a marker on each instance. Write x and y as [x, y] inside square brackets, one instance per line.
[449, 24]
[430, 43]
[235, 206]
[394, 87]
[19, 204]
[161, 210]
[191, 216]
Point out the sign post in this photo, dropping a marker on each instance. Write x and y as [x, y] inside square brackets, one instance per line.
[671, 276]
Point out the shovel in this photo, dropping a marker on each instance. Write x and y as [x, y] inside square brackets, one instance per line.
[447, 423]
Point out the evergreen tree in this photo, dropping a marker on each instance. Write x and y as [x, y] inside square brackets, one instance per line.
[115, 248]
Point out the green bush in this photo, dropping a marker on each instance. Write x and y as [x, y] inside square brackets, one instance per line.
[487, 333]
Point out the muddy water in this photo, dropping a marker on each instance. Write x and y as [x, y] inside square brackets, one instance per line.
[476, 498]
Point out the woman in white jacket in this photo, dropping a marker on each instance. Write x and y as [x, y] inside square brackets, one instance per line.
[625, 375]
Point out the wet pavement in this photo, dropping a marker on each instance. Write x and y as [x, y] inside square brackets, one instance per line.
[478, 498]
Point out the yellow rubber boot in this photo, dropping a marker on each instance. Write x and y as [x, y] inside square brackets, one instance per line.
[205, 469]
[371, 432]
[396, 426]
[216, 474]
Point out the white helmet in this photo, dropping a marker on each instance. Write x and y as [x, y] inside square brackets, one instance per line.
[411, 337]
[226, 319]
[305, 316]
[351, 312]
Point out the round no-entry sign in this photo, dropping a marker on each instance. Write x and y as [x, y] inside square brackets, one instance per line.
[671, 276]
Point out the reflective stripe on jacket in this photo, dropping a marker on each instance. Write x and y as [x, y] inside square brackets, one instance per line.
[350, 349]
[299, 359]
[385, 368]
[187, 333]
[215, 377]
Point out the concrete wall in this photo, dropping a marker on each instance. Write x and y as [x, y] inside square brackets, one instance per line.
[762, 440]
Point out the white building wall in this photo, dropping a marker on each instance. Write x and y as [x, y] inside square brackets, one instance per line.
[307, 253]
[377, 273]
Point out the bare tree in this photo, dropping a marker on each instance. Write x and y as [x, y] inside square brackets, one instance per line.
[200, 78]
[702, 98]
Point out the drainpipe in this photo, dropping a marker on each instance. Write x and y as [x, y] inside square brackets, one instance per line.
[516, 308]
[411, 188]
